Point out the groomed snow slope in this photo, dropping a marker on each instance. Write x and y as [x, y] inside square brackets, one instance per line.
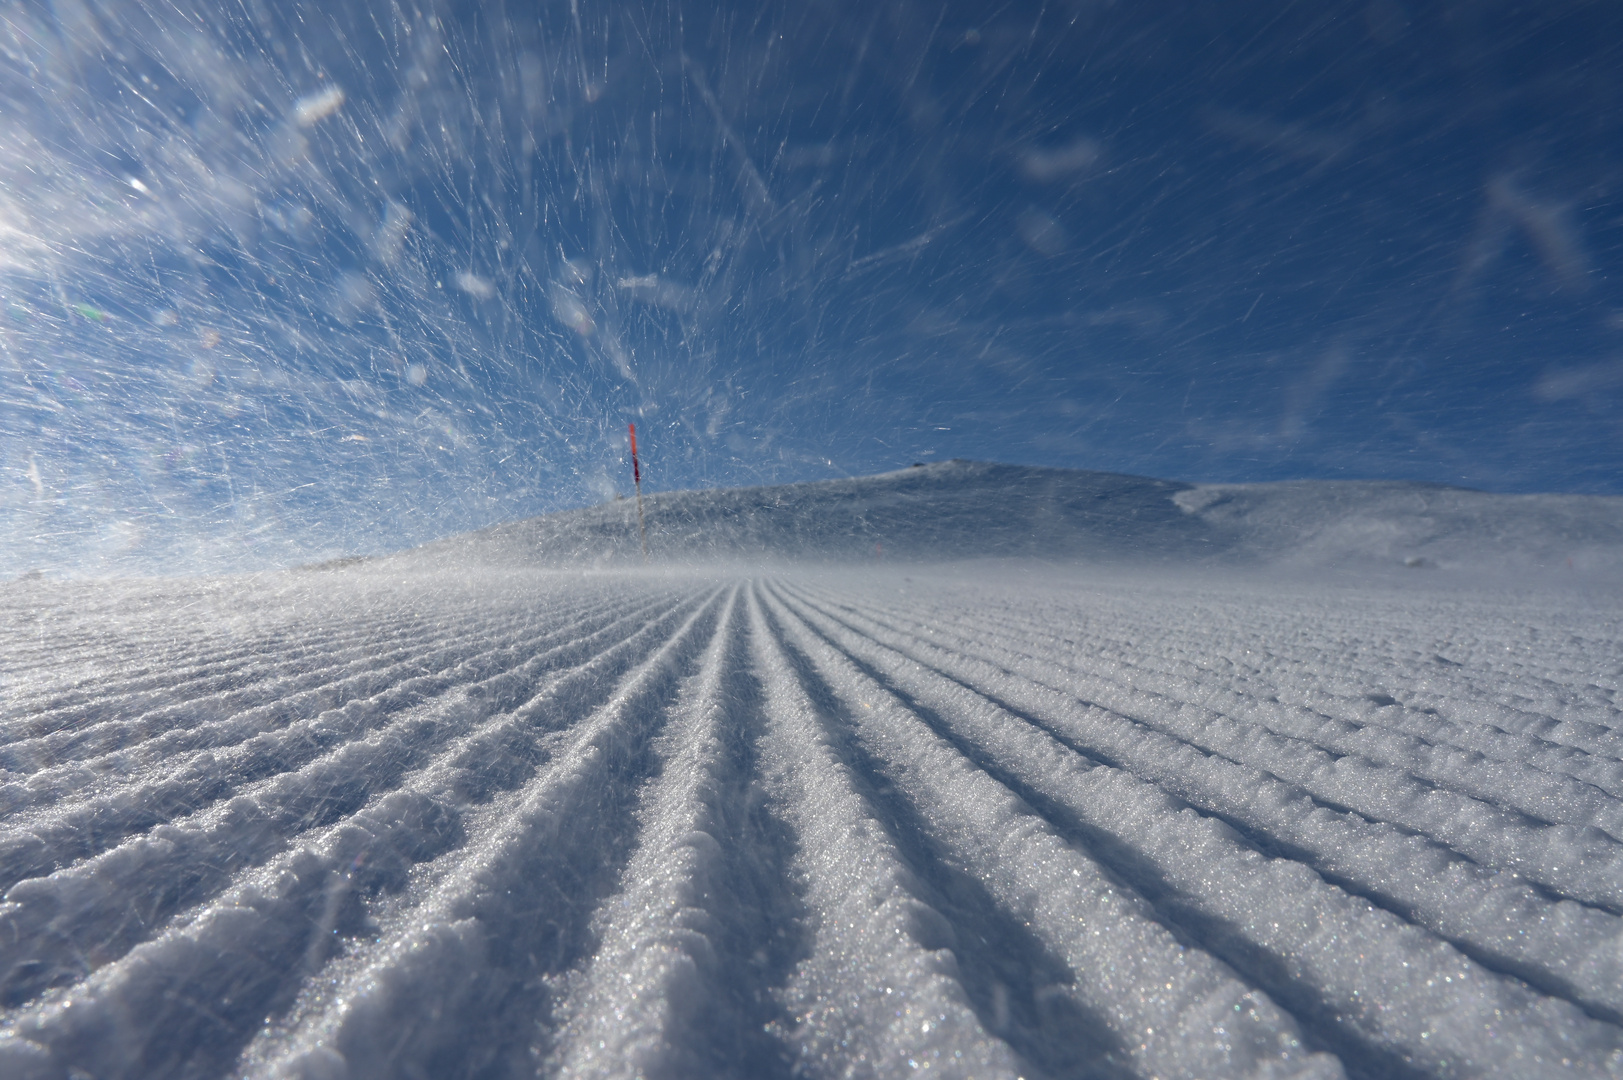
[973, 822]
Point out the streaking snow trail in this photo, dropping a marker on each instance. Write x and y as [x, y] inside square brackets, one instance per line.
[1002, 823]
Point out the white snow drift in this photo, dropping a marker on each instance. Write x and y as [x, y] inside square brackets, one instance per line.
[967, 509]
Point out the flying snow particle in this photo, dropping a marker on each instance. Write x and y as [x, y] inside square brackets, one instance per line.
[1287, 140]
[352, 294]
[475, 286]
[1386, 21]
[618, 355]
[1549, 226]
[391, 234]
[652, 289]
[416, 374]
[1593, 380]
[290, 218]
[313, 108]
[1042, 233]
[577, 271]
[1048, 164]
[568, 309]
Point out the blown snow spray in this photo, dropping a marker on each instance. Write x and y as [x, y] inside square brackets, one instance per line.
[636, 478]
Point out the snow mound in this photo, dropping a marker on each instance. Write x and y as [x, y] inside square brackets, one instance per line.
[1318, 522]
[963, 509]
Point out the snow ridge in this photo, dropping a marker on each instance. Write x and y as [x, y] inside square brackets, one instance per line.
[872, 823]
[970, 509]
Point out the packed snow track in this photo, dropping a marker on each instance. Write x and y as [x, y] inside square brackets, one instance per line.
[354, 823]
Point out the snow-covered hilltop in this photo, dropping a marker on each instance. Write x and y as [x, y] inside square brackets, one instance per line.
[965, 509]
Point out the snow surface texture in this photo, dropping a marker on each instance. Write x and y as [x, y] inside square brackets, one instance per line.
[374, 822]
[961, 509]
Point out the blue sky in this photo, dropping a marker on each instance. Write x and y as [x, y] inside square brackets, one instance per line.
[288, 280]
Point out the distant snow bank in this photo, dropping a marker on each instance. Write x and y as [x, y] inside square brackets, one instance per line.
[1323, 522]
[964, 509]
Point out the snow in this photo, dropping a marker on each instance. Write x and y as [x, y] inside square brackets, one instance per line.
[970, 509]
[1009, 817]
[962, 769]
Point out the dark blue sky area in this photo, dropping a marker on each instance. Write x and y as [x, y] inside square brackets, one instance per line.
[284, 280]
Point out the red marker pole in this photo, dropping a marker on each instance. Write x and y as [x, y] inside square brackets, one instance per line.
[636, 478]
